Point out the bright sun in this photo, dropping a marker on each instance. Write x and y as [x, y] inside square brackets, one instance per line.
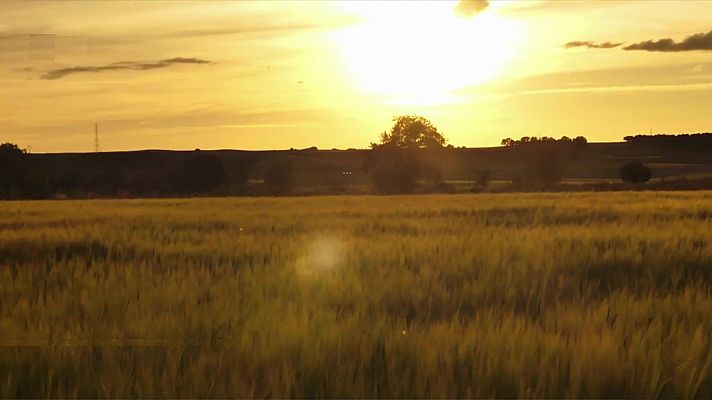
[422, 52]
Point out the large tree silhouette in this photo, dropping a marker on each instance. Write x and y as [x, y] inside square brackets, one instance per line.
[397, 162]
[411, 131]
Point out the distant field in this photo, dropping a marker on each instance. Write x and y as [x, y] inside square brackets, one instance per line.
[510, 295]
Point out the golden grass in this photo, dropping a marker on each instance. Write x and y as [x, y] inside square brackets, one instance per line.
[536, 295]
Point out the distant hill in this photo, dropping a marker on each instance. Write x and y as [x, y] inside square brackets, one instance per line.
[597, 161]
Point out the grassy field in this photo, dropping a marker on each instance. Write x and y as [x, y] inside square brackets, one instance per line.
[511, 295]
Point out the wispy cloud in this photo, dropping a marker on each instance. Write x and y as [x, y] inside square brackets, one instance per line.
[122, 65]
[623, 88]
[699, 41]
[696, 42]
[592, 45]
[468, 8]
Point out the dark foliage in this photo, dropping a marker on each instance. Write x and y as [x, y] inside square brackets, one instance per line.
[144, 185]
[108, 182]
[240, 172]
[405, 154]
[429, 171]
[411, 132]
[36, 186]
[533, 140]
[279, 176]
[66, 183]
[200, 173]
[635, 172]
[12, 169]
[545, 158]
[695, 141]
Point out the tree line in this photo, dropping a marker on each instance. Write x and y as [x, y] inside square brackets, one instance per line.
[694, 141]
[533, 140]
[200, 173]
[405, 159]
[408, 153]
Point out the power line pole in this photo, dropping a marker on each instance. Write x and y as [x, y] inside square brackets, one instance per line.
[96, 137]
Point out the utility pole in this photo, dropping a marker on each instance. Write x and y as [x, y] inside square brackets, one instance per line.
[96, 137]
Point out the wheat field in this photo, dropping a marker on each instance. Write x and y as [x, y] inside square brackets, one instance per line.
[509, 295]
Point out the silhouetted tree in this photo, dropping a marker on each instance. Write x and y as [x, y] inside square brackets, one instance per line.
[279, 177]
[635, 172]
[580, 141]
[694, 141]
[12, 168]
[411, 131]
[507, 142]
[526, 140]
[201, 173]
[396, 163]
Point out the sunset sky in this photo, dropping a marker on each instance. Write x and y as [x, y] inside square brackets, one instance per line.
[275, 75]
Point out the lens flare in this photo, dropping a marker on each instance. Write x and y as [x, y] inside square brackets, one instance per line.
[323, 254]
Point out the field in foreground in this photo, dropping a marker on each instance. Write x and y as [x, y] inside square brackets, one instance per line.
[538, 295]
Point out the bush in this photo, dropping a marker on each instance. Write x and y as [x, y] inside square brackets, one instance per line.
[12, 168]
[635, 172]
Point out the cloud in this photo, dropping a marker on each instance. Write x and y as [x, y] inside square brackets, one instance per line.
[468, 8]
[122, 65]
[699, 41]
[548, 7]
[592, 45]
[623, 88]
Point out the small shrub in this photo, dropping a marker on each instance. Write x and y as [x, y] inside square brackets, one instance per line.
[635, 172]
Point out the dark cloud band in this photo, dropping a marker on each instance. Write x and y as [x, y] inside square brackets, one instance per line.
[700, 41]
[122, 65]
[592, 45]
[696, 42]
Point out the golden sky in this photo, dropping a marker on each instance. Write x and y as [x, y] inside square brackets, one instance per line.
[275, 75]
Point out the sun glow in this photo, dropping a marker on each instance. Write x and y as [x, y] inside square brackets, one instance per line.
[422, 52]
